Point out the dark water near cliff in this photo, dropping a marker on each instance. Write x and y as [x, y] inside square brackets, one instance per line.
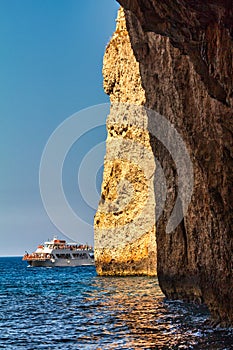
[72, 308]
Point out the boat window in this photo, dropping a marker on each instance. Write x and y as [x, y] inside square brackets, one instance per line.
[63, 256]
[80, 255]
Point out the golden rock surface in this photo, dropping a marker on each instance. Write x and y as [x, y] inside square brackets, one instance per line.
[125, 242]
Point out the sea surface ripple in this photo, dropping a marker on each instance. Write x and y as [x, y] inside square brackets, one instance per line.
[73, 308]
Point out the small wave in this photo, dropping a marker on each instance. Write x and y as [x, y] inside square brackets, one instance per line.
[44, 308]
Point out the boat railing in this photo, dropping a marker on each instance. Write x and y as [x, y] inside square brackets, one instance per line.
[37, 256]
[72, 247]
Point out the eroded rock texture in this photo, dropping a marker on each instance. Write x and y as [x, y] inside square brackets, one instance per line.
[124, 227]
[182, 67]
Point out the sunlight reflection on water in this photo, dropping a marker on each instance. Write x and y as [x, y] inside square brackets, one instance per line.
[72, 308]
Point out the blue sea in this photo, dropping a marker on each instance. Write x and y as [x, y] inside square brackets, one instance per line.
[73, 308]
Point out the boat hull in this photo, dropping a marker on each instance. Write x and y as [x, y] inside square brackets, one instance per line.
[61, 263]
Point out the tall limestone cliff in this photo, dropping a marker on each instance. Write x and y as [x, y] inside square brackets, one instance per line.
[125, 221]
[176, 58]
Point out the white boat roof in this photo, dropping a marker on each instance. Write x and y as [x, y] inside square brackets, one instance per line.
[63, 241]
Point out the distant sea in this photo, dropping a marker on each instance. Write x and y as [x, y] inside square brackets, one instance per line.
[73, 308]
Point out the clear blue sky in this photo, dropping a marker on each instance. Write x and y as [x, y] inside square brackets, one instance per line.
[50, 67]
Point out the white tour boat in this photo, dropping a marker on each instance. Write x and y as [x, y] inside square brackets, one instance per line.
[58, 252]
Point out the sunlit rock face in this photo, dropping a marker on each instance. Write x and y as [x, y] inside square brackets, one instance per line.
[125, 221]
[184, 50]
[175, 57]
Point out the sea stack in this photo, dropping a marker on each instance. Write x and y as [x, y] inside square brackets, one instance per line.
[125, 221]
